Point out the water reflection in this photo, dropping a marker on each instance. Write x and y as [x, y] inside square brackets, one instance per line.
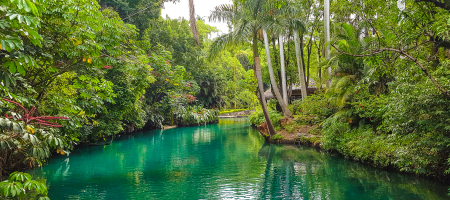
[220, 161]
[306, 173]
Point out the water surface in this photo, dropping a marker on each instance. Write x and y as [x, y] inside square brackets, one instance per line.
[228, 160]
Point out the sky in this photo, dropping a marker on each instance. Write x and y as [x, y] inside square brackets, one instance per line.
[202, 8]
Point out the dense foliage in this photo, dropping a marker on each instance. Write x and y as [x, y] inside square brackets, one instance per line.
[22, 186]
[91, 70]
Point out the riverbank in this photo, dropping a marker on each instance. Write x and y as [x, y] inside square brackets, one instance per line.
[290, 133]
[293, 131]
[238, 114]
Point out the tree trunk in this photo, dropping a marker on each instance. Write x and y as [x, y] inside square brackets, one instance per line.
[258, 77]
[309, 47]
[274, 47]
[289, 91]
[318, 66]
[301, 73]
[282, 103]
[303, 58]
[283, 69]
[280, 83]
[326, 20]
[192, 21]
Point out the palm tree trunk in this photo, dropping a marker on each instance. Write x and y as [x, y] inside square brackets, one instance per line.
[318, 66]
[192, 21]
[309, 48]
[302, 54]
[258, 77]
[326, 20]
[282, 103]
[301, 73]
[280, 84]
[283, 70]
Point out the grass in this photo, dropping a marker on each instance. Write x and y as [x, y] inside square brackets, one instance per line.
[277, 137]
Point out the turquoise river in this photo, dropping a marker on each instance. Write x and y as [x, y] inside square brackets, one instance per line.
[229, 160]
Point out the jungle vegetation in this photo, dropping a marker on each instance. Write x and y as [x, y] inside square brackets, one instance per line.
[76, 72]
[79, 71]
[388, 101]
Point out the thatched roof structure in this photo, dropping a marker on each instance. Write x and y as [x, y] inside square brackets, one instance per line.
[296, 90]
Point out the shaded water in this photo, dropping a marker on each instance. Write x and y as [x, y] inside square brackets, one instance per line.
[220, 161]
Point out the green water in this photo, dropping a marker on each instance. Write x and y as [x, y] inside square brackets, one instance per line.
[228, 160]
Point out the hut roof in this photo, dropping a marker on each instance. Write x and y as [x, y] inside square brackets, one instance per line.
[311, 88]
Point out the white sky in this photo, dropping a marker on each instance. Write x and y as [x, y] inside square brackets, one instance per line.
[203, 8]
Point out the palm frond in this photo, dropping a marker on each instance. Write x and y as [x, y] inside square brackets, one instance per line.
[219, 44]
[238, 36]
[223, 13]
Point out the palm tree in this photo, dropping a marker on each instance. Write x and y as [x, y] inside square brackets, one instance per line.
[246, 19]
[301, 73]
[326, 20]
[283, 70]
[284, 19]
[282, 103]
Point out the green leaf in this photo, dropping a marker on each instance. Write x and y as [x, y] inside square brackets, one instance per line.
[13, 16]
[20, 18]
[20, 68]
[3, 43]
[12, 68]
[11, 45]
[32, 7]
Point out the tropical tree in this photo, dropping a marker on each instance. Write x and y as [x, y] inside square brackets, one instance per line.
[280, 99]
[285, 15]
[283, 69]
[301, 72]
[246, 17]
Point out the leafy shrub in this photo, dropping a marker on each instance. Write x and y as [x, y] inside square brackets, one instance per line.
[272, 104]
[314, 109]
[21, 186]
[290, 128]
[27, 146]
[195, 115]
[257, 118]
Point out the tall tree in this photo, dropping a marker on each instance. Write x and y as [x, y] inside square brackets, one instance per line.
[301, 72]
[327, 34]
[282, 103]
[283, 69]
[247, 19]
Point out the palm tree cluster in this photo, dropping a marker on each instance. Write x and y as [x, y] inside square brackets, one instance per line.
[252, 20]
